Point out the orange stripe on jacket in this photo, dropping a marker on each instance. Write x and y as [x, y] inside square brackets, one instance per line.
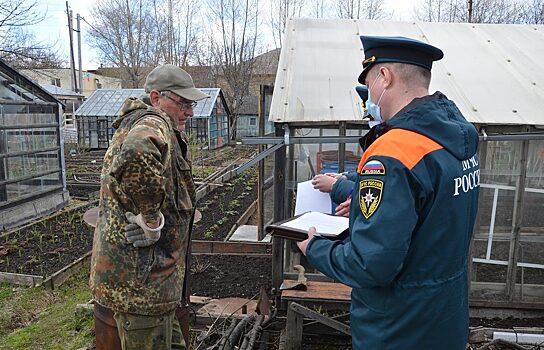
[408, 147]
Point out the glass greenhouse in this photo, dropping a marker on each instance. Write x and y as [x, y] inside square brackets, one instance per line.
[31, 151]
[208, 127]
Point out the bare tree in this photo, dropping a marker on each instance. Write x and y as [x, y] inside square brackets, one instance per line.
[361, 9]
[319, 8]
[177, 29]
[280, 12]
[122, 32]
[483, 11]
[232, 53]
[21, 50]
[19, 46]
[533, 12]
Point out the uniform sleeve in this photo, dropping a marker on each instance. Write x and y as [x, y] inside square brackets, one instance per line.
[141, 166]
[341, 190]
[352, 176]
[382, 218]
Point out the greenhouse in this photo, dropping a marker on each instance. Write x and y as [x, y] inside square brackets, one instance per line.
[208, 127]
[31, 150]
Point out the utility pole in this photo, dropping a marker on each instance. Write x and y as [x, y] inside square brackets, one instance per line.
[78, 22]
[469, 11]
[170, 34]
[72, 61]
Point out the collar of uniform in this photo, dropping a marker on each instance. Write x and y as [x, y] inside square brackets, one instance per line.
[372, 135]
[416, 102]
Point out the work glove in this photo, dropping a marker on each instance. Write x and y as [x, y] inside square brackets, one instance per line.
[138, 233]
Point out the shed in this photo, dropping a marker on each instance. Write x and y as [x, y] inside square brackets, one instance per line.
[208, 127]
[32, 181]
[71, 101]
[495, 75]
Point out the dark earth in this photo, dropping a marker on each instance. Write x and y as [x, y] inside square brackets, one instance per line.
[221, 276]
[41, 249]
[222, 207]
[46, 246]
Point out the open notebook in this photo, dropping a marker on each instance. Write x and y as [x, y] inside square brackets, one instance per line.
[296, 228]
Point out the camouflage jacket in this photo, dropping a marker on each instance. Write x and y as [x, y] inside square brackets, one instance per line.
[146, 170]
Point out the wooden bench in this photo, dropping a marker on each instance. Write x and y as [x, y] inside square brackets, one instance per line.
[321, 294]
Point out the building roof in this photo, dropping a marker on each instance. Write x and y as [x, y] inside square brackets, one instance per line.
[58, 91]
[494, 73]
[108, 102]
[267, 63]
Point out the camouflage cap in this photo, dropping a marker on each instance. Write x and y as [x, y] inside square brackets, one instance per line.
[172, 78]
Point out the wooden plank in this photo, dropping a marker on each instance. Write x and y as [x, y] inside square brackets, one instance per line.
[55, 280]
[328, 321]
[20, 279]
[195, 299]
[320, 291]
[219, 247]
[243, 219]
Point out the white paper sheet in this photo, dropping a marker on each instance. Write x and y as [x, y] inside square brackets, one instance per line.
[310, 199]
[325, 225]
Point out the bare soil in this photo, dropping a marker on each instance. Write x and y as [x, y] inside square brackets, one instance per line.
[221, 276]
[46, 246]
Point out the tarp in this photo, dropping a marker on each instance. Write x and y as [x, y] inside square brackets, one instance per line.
[494, 73]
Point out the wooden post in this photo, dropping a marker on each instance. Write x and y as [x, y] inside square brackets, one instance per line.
[293, 329]
[478, 224]
[265, 90]
[342, 149]
[279, 211]
[517, 224]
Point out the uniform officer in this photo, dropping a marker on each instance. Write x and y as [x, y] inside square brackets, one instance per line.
[412, 210]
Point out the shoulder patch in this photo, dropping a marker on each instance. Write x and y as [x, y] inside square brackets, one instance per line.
[373, 167]
[370, 196]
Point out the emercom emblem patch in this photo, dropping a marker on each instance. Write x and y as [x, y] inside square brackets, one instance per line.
[373, 167]
[370, 196]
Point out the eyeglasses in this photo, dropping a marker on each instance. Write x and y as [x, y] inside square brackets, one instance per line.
[181, 105]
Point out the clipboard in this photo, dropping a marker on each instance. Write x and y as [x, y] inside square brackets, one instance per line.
[277, 229]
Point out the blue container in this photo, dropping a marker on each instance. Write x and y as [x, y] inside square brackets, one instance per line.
[332, 167]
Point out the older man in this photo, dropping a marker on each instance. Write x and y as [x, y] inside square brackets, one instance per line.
[412, 210]
[146, 208]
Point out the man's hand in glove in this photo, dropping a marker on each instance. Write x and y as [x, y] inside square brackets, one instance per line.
[139, 233]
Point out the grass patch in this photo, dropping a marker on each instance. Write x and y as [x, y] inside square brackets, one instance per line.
[203, 171]
[32, 318]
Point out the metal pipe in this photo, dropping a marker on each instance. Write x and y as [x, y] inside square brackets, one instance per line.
[355, 139]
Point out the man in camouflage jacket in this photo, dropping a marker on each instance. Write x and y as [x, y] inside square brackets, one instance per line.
[146, 208]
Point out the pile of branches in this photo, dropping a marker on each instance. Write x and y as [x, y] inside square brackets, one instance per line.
[241, 334]
[500, 344]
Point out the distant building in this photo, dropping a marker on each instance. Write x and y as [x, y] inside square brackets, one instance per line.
[32, 181]
[71, 101]
[209, 127]
[264, 73]
[60, 77]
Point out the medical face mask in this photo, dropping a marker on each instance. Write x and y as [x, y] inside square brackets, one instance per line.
[372, 108]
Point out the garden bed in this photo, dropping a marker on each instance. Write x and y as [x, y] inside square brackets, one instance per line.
[222, 275]
[222, 207]
[46, 251]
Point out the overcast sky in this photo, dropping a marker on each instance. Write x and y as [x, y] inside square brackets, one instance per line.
[54, 29]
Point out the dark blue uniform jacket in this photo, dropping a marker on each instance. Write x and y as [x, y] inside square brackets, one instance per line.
[343, 188]
[411, 218]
